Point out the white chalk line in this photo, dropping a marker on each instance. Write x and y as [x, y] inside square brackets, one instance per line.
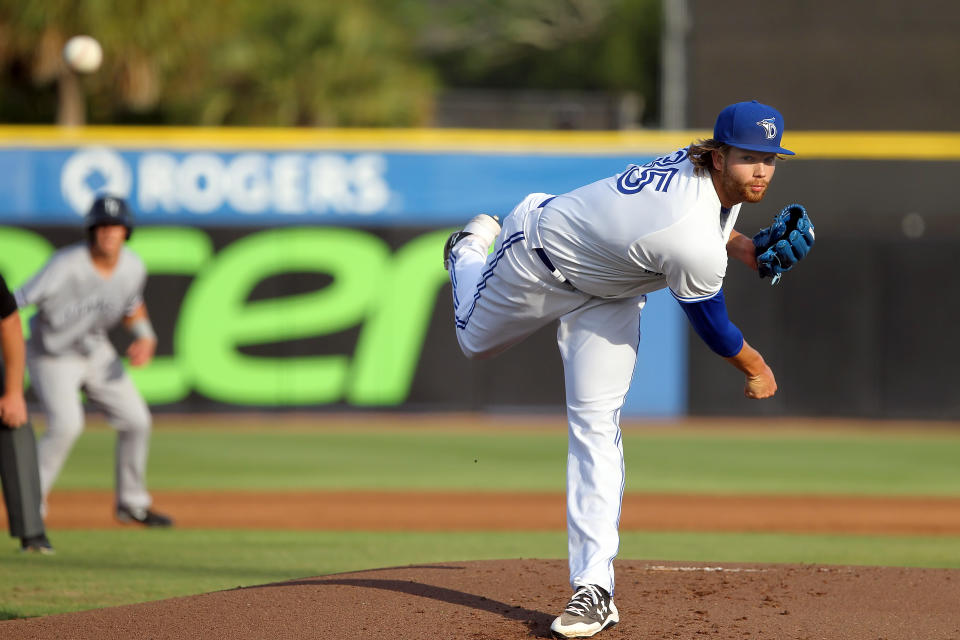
[705, 569]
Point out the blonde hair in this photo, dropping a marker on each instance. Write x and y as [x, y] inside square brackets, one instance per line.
[701, 154]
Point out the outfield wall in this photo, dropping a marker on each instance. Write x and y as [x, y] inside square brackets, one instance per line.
[301, 268]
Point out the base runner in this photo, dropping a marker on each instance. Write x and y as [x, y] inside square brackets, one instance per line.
[82, 292]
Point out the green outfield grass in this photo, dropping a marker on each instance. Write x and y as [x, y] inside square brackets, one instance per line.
[106, 568]
[662, 459]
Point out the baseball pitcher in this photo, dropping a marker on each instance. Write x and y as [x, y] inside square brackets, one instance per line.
[586, 260]
[82, 292]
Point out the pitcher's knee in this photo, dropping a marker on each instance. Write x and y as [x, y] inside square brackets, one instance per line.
[596, 418]
[473, 354]
[472, 350]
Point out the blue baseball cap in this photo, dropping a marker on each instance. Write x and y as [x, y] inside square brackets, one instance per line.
[751, 125]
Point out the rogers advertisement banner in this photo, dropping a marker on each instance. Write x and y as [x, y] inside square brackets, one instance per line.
[56, 186]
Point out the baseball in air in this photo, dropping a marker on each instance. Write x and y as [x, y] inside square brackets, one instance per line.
[83, 54]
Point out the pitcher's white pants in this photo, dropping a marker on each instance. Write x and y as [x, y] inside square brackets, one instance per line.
[501, 299]
[57, 381]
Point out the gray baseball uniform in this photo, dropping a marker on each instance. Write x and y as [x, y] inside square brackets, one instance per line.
[69, 350]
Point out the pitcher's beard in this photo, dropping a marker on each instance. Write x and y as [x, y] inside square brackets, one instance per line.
[753, 196]
[742, 189]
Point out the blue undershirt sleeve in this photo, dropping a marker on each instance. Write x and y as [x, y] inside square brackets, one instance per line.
[709, 319]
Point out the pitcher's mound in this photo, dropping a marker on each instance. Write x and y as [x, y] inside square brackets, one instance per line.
[518, 599]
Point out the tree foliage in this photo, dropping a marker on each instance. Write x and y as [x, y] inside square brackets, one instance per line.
[322, 63]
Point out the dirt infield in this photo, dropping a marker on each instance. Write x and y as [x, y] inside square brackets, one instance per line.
[460, 511]
[517, 600]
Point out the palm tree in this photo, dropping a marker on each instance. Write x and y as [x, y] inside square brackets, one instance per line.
[284, 62]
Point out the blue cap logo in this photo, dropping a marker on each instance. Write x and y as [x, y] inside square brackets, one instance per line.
[751, 125]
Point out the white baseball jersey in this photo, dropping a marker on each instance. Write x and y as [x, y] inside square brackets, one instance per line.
[651, 226]
[76, 306]
[610, 242]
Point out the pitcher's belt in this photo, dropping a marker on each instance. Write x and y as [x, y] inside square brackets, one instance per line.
[545, 259]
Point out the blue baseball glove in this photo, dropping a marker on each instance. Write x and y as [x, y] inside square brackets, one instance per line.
[784, 243]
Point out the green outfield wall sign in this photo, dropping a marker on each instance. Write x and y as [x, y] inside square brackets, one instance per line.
[386, 296]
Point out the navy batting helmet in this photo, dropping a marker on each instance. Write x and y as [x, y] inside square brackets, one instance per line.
[109, 210]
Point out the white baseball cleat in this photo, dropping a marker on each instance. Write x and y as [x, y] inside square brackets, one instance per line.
[483, 228]
[590, 611]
